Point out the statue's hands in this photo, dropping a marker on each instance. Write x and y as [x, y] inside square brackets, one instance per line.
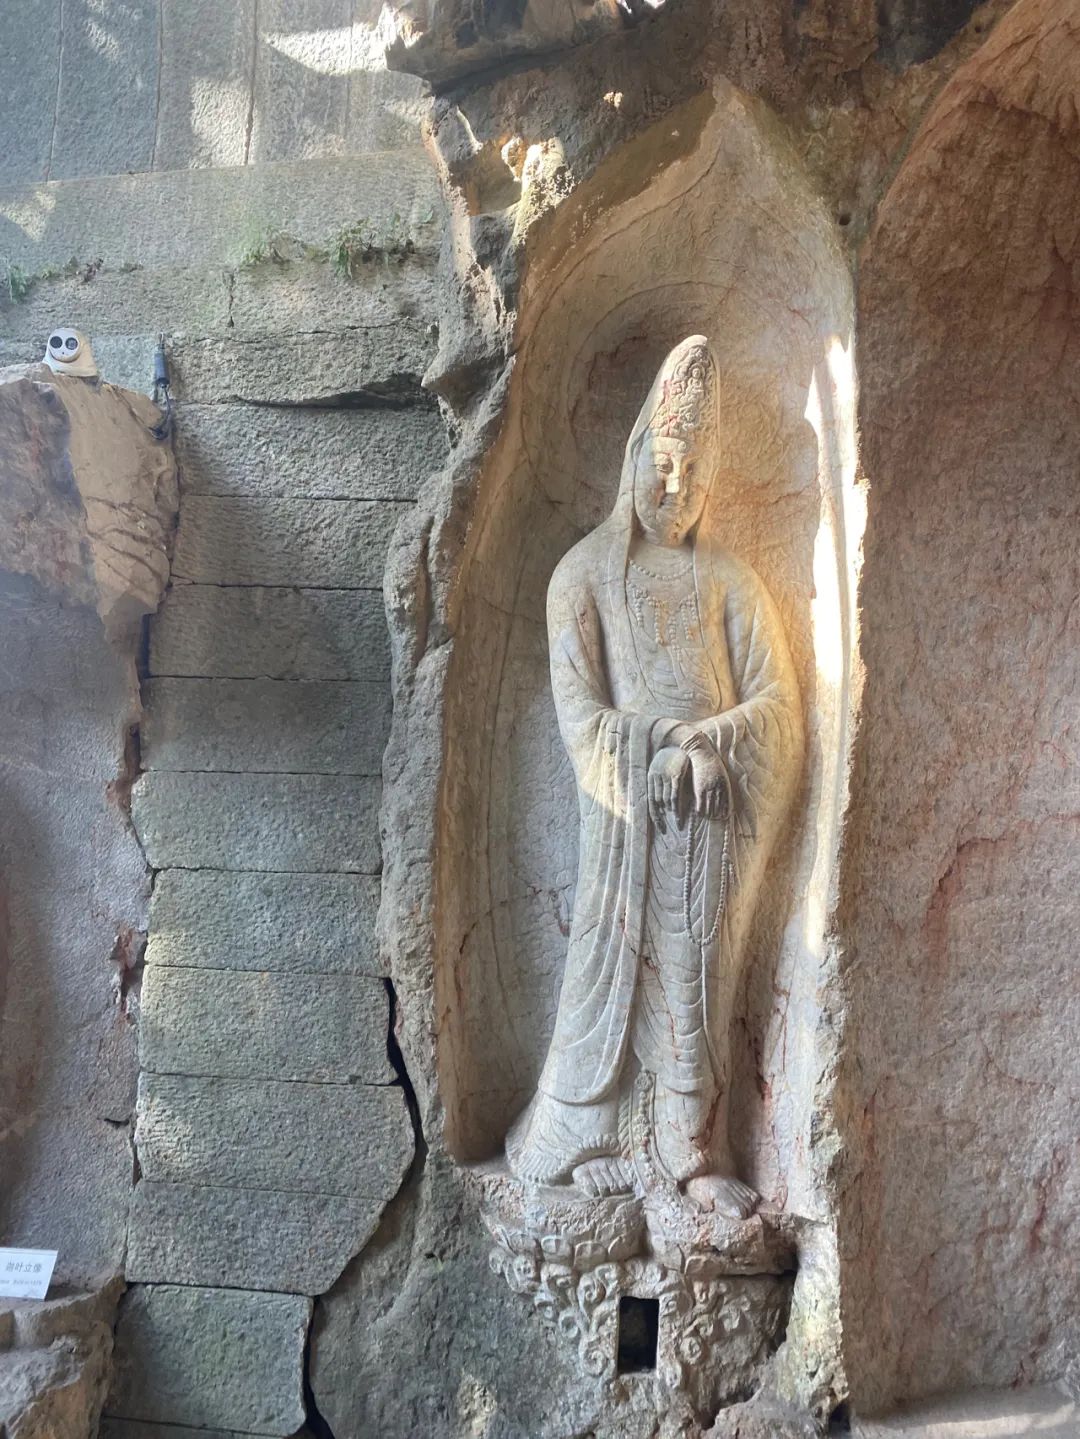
[667, 776]
[710, 781]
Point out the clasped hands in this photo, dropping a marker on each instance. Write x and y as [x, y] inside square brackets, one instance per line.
[693, 777]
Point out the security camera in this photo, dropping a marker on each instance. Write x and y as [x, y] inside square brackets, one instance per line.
[68, 353]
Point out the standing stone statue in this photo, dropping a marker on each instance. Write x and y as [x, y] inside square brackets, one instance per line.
[678, 706]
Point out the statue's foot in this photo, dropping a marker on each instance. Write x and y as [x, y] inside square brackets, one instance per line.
[603, 1177]
[729, 1197]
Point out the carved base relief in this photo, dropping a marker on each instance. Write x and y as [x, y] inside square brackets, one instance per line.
[721, 1288]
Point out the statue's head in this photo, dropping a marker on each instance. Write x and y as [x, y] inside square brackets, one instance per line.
[673, 444]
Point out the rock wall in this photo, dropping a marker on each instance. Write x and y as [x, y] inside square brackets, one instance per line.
[816, 185]
[248, 181]
[960, 891]
[87, 505]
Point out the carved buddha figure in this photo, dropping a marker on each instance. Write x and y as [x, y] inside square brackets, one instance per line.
[678, 706]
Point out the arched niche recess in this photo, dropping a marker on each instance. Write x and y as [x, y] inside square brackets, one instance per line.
[706, 223]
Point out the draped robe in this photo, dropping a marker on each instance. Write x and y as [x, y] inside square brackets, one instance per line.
[660, 915]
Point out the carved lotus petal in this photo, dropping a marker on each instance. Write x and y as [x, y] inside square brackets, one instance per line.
[557, 1249]
[589, 1254]
[699, 1267]
[623, 1246]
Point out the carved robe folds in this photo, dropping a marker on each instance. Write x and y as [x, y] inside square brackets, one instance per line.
[638, 1064]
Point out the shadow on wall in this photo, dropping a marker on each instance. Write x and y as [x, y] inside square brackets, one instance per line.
[119, 87]
[725, 237]
[960, 890]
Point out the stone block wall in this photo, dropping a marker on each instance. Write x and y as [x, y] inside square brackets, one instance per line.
[111, 87]
[246, 180]
[272, 1127]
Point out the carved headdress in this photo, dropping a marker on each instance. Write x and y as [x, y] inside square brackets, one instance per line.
[681, 405]
[685, 393]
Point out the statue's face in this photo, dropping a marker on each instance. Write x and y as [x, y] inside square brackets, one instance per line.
[670, 488]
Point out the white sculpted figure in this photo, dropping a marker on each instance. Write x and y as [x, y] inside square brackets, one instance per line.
[678, 705]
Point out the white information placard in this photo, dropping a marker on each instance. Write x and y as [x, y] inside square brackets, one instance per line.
[25, 1273]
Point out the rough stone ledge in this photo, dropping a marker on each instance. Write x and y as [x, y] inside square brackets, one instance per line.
[1043, 1410]
[65, 1313]
[313, 824]
[245, 1238]
[259, 726]
[260, 1025]
[304, 923]
[54, 1356]
[270, 632]
[209, 210]
[346, 1139]
[229, 1359]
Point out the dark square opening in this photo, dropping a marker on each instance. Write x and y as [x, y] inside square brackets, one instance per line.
[639, 1328]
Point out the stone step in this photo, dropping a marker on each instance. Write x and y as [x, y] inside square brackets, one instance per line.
[236, 297]
[138, 1429]
[225, 1359]
[309, 453]
[383, 359]
[284, 1243]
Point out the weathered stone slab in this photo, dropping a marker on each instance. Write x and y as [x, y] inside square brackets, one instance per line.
[66, 1181]
[29, 61]
[381, 361]
[302, 75]
[271, 632]
[265, 726]
[107, 94]
[224, 1358]
[340, 544]
[314, 823]
[245, 1238]
[311, 1138]
[310, 923]
[385, 109]
[319, 1027]
[363, 454]
[208, 212]
[290, 291]
[207, 54]
[120, 308]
